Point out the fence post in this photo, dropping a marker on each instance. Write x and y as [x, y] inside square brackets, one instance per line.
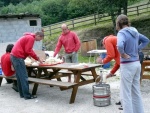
[95, 18]
[50, 30]
[73, 23]
[137, 10]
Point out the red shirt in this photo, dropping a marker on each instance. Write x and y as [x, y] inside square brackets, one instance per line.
[70, 41]
[6, 65]
[110, 43]
[23, 47]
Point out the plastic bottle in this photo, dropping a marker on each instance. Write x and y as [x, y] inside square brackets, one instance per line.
[101, 76]
[99, 80]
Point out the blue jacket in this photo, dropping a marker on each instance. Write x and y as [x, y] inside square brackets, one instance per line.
[128, 40]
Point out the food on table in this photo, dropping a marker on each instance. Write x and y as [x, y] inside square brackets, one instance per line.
[52, 60]
[35, 63]
[28, 61]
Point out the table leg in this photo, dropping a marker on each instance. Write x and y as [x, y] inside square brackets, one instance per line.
[94, 74]
[39, 73]
[78, 76]
[1, 79]
[29, 70]
[73, 94]
[35, 87]
[142, 72]
[54, 73]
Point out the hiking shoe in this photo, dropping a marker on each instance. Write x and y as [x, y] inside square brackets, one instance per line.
[118, 103]
[31, 97]
[121, 108]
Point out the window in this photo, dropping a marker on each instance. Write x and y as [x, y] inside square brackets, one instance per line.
[33, 22]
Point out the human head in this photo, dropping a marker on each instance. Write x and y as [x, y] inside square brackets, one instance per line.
[103, 42]
[9, 47]
[39, 36]
[64, 28]
[122, 21]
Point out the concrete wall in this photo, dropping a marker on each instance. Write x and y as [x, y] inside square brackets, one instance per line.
[11, 29]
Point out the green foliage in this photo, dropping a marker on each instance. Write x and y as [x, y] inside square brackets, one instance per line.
[78, 8]
[53, 11]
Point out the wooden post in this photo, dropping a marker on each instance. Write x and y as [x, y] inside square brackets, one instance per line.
[137, 10]
[50, 30]
[95, 18]
[73, 23]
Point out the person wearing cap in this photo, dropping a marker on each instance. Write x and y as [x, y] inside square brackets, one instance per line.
[128, 39]
[71, 43]
[109, 43]
[21, 50]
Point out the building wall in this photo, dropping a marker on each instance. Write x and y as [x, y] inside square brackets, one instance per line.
[11, 29]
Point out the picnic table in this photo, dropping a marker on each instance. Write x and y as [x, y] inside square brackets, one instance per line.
[145, 68]
[77, 69]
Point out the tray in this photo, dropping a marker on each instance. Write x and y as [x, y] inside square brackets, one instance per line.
[50, 64]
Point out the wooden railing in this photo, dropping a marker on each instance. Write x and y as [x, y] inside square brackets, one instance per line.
[93, 19]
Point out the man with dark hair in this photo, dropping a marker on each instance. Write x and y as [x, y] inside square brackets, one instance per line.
[21, 50]
[7, 67]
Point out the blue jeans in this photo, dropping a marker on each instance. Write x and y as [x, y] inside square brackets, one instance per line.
[22, 77]
[71, 58]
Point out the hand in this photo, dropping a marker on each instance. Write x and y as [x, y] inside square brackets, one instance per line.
[110, 75]
[99, 60]
[125, 56]
[41, 62]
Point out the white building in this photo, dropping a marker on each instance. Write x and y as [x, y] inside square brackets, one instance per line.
[12, 27]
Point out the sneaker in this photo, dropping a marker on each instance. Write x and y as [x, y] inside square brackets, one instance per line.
[121, 108]
[118, 103]
[32, 97]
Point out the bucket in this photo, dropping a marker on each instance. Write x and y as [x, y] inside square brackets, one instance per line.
[101, 93]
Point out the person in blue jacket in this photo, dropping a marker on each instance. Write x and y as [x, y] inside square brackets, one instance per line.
[128, 39]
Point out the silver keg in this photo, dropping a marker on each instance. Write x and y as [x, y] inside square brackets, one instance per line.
[101, 93]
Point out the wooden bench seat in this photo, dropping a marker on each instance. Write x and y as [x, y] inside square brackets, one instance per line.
[69, 72]
[2, 76]
[60, 84]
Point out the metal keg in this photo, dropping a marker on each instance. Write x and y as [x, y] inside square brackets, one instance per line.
[101, 93]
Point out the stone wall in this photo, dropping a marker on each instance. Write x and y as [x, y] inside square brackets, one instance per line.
[11, 29]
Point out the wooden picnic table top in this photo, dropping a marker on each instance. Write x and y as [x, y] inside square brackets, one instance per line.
[69, 66]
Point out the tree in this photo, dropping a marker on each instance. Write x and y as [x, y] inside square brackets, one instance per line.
[112, 7]
[78, 8]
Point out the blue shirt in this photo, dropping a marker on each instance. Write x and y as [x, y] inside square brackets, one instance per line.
[128, 40]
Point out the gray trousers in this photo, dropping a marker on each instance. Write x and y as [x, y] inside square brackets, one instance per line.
[71, 58]
[130, 88]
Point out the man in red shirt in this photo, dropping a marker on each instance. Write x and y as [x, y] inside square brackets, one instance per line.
[7, 67]
[109, 43]
[71, 43]
[21, 50]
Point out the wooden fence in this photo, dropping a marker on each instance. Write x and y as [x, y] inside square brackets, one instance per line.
[93, 19]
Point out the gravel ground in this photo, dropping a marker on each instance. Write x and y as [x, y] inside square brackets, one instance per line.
[52, 100]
